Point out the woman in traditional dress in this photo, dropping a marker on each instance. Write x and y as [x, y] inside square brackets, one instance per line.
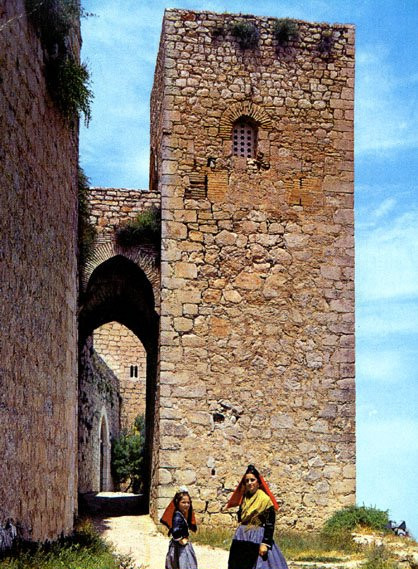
[253, 546]
[179, 518]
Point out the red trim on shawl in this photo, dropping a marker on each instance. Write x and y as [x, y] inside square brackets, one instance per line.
[239, 492]
[167, 517]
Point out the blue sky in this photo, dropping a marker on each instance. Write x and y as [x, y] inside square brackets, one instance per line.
[120, 45]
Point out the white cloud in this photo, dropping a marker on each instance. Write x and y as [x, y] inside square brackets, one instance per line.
[386, 317]
[386, 114]
[384, 367]
[385, 207]
[387, 259]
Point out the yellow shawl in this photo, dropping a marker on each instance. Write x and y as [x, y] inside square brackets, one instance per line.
[253, 506]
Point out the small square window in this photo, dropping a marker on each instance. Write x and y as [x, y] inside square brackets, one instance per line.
[244, 139]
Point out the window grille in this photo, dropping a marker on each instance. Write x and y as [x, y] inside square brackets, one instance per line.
[244, 139]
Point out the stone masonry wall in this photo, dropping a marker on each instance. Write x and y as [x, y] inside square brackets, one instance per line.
[99, 421]
[38, 203]
[257, 305]
[121, 350]
[156, 157]
[110, 207]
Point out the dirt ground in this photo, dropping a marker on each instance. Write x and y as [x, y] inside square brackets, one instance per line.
[138, 536]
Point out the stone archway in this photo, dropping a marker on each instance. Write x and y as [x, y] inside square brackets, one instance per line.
[124, 354]
[118, 290]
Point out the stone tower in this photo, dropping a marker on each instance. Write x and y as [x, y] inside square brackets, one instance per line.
[252, 150]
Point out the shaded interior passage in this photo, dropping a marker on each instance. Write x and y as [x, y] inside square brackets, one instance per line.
[119, 292]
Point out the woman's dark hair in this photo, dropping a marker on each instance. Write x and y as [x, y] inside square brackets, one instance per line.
[251, 469]
[178, 496]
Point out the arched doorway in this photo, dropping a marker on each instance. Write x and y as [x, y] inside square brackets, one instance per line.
[124, 354]
[104, 456]
[118, 291]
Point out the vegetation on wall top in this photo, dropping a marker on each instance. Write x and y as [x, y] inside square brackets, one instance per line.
[247, 34]
[326, 42]
[144, 229]
[53, 20]
[56, 23]
[284, 30]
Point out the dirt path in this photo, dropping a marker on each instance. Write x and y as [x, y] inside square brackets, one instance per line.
[139, 537]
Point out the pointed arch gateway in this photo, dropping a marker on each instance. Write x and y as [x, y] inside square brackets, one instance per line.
[117, 290]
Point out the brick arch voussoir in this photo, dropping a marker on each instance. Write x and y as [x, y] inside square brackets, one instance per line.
[237, 110]
[105, 250]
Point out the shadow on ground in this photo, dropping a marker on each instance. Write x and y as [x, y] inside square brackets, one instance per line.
[111, 504]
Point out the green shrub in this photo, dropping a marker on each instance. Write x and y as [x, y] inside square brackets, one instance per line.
[348, 519]
[284, 30]
[128, 455]
[85, 549]
[68, 82]
[144, 229]
[247, 34]
[53, 20]
[86, 230]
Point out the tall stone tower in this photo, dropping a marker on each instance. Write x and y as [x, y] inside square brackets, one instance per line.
[252, 150]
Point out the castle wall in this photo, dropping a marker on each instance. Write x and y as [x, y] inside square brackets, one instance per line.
[99, 421]
[257, 274]
[126, 357]
[111, 207]
[38, 204]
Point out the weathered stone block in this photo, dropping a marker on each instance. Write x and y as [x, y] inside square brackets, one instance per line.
[183, 324]
[185, 270]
